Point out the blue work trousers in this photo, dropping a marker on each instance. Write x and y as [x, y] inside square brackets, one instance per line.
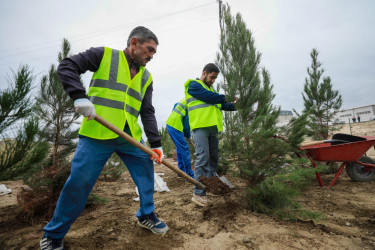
[206, 151]
[182, 150]
[89, 159]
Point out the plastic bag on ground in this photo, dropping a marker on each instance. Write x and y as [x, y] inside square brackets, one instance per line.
[4, 190]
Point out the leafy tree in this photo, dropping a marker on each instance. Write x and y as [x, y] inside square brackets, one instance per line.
[320, 100]
[56, 111]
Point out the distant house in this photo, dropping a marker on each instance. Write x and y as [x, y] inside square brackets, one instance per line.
[366, 113]
[284, 117]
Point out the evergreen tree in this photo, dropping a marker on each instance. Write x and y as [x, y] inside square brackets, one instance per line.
[20, 152]
[248, 132]
[273, 174]
[320, 100]
[168, 146]
[56, 111]
[15, 100]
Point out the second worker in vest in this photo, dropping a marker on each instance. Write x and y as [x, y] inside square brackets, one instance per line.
[206, 120]
[179, 129]
[120, 91]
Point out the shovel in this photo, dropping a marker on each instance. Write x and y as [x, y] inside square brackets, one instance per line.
[332, 141]
[337, 139]
[146, 149]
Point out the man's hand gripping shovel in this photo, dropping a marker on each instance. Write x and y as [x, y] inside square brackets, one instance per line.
[146, 149]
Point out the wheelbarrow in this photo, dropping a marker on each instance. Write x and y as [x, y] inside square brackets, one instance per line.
[350, 150]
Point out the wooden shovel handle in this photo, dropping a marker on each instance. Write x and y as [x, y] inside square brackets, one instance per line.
[146, 149]
[312, 143]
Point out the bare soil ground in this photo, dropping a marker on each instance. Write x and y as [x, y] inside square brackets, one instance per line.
[348, 208]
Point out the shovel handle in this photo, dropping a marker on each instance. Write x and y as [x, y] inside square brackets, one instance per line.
[146, 149]
[312, 143]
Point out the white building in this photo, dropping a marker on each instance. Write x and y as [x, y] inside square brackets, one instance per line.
[284, 117]
[366, 113]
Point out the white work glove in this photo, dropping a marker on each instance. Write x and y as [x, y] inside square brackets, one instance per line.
[158, 151]
[85, 107]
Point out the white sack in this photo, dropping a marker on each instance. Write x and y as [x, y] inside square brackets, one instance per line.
[4, 190]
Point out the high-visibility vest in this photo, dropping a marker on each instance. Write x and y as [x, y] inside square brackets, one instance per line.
[201, 114]
[175, 119]
[116, 97]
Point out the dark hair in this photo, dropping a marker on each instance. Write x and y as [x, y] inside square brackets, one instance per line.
[211, 68]
[142, 34]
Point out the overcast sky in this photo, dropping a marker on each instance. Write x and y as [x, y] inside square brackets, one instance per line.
[285, 32]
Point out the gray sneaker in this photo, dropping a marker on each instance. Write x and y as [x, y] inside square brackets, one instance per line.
[151, 222]
[49, 244]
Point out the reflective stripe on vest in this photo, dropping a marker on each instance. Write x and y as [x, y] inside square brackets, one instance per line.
[116, 97]
[203, 114]
[175, 119]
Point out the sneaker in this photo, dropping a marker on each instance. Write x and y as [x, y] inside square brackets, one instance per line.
[152, 223]
[200, 200]
[49, 244]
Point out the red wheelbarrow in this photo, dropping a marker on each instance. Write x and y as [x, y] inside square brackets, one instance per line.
[359, 167]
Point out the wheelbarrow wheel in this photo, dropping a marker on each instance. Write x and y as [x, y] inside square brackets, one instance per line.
[360, 173]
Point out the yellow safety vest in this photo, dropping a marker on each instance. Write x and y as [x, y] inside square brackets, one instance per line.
[175, 120]
[201, 114]
[116, 97]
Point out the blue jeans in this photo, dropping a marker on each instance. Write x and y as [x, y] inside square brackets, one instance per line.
[182, 150]
[89, 159]
[206, 151]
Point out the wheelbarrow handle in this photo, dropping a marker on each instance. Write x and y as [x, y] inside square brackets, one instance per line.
[146, 149]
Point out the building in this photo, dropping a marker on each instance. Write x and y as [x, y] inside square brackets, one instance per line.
[366, 113]
[284, 117]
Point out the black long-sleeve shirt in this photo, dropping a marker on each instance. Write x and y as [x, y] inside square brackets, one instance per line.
[71, 68]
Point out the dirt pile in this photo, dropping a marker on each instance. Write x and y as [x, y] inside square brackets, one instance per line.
[214, 185]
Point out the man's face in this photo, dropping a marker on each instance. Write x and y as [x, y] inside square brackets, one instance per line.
[144, 52]
[210, 78]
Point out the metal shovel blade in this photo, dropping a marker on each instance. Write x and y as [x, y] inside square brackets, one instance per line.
[224, 180]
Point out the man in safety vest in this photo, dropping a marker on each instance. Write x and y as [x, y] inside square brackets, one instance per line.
[179, 129]
[120, 90]
[206, 120]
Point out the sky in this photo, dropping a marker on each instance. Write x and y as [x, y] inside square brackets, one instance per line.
[285, 32]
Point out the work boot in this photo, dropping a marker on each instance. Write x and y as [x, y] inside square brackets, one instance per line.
[151, 222]
[200, 200]
[50, 244]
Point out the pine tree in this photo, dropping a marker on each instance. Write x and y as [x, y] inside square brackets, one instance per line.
[273, 175]
[15, 100]
[247, 132]
[320, 100]
[56, 111]
[20, 151]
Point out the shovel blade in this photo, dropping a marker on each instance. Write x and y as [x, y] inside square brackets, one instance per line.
[226, 181]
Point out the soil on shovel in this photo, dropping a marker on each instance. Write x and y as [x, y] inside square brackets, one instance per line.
[214, 185]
